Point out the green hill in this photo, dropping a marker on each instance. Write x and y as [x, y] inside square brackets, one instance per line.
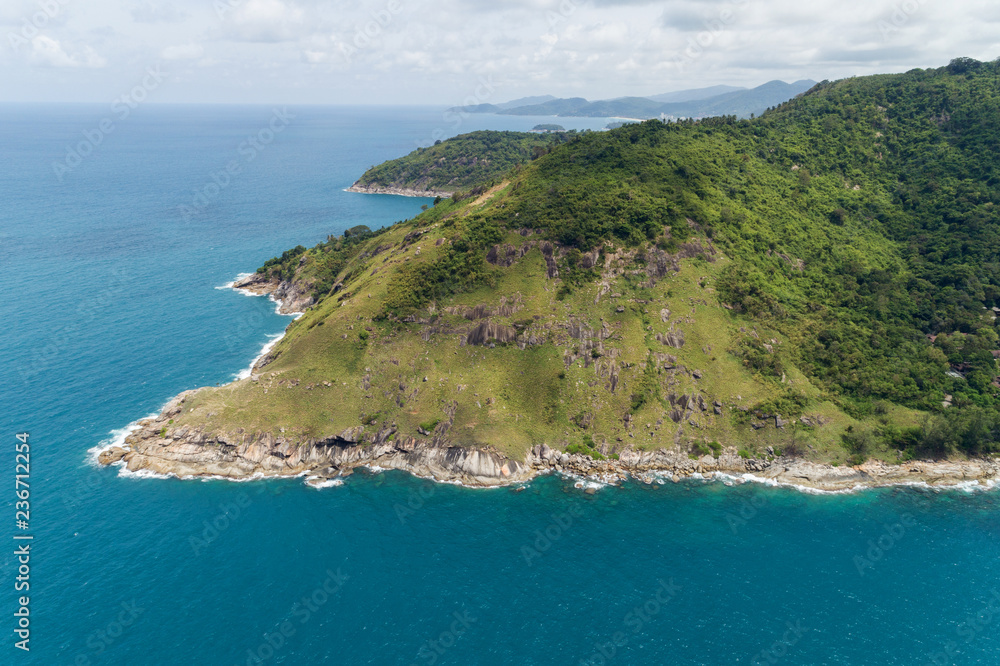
[770, 283]
[463, 162]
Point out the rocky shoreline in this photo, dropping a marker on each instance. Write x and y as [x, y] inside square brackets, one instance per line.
[157, 447]
[291, 297]
[398, 191]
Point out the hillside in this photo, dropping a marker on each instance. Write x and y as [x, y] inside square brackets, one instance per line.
[809, 287]
[459, 163]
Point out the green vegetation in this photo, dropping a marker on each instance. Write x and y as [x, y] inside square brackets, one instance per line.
[463, 162]
[321, 265]
[818, 280]
[586, 449]
[430, 425]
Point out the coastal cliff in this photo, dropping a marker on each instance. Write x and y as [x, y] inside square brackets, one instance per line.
[292, 296]
[161, 449]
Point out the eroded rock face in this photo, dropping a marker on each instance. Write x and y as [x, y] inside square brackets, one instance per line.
[489, 331]
[399, 191]
[188, 452]
[293, 296]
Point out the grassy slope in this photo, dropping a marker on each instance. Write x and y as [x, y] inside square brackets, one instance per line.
[535, 396]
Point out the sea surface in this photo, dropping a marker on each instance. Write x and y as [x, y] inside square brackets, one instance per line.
[112, 263]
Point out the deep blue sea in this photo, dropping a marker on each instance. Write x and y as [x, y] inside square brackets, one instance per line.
[110, 306]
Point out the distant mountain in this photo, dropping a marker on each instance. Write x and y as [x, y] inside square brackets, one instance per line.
[554, 107]
[732, 101]
[742, 103]
[526, 101]
[693, 94]
[626, 107]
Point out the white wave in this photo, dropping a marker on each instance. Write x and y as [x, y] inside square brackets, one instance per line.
[117, 437]
[315, 482]
[232, 285]
[273, 339]
[126, 473]
[964, 486]
[589, 483]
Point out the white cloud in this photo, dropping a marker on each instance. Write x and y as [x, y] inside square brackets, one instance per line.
[48, 52]
[150, 12]
[315, 57]
[407, 51]
[267, 21]
[182, 52]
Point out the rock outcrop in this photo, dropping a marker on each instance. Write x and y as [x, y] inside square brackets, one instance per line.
[292, 297]
[399, 191]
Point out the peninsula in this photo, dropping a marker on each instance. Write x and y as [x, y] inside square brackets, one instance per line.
[809, 296]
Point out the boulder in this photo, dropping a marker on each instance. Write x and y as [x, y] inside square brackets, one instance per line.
[112, 455]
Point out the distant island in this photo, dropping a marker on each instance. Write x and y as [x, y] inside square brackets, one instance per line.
[810, 297]
[697, 103]
[548, 127]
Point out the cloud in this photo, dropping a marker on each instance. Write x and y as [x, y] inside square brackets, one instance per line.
[266, 21]
[408, 51]
[182, 52]
[48, 52]
[150, 12]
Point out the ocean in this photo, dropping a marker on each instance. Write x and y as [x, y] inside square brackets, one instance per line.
[117, 238]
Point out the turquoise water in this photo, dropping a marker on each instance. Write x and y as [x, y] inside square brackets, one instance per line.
[111, 307]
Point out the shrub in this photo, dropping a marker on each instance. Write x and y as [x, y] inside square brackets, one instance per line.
[430, 425]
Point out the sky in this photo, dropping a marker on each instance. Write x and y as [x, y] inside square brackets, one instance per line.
[455, 52]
